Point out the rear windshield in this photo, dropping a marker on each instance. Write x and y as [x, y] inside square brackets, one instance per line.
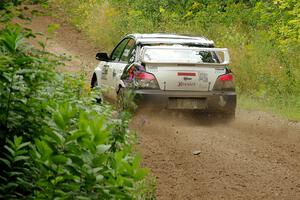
[181, 55]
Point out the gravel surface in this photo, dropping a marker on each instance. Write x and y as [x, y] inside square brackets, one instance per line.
[255, 157]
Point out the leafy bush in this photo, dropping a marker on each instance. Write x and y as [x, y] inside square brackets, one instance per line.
[56, 143]
[78, 158]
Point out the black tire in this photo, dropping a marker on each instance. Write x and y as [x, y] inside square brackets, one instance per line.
[126, 100]
[94, 83]
[120, 99]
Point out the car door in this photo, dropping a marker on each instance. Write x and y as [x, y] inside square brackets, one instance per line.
[107, 69]
[127, 57]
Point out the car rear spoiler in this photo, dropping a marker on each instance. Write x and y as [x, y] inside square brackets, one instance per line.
[224, 51]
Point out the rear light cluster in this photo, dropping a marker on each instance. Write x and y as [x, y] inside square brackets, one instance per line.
[145, 80]
[225, 82]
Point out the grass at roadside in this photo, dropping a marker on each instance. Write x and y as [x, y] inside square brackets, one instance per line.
[289, 111]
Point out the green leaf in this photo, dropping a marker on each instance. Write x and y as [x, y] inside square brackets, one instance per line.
[59, 159]
[59, 120]
[70, 186]
[23, 61]
[25, 144]
[3, 179]
[57, 137]
[11, 151]
[140, 174]
[99, 160]
[11, 174]
[57, 179]
[101, 136]
[17, 141]
[21, 158]
[6, 162]
[83, 198]
[102, 148]
[99, 177]
[42, 44]
[43, 148]
[136, 161]
[75, 135]
[11, 185]
[77, 159]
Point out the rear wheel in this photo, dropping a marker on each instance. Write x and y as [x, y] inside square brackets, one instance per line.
[121, 99]
[94, 84]
[126, 100]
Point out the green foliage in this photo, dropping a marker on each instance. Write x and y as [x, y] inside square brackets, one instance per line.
[77, 157]
[263, 36]
[56, 143]
[24, 76]
[17, 170]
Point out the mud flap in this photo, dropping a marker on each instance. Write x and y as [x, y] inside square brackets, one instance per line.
[222, 103]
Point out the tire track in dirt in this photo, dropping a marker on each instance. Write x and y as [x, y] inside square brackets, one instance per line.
[255, 157]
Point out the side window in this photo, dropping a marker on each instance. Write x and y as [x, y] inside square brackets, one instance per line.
[115, 55]
[132, 54]
[128, 51]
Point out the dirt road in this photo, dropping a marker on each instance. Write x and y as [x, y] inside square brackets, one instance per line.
[255, 157]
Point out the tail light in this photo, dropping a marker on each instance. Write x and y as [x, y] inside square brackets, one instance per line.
[144, 76]
[224, 82]
[145, 80]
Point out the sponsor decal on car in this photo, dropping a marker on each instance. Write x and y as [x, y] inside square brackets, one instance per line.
[203, 77]
[184, 84]
[187, 78]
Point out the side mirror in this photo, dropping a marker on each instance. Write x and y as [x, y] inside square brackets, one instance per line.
[102, 56]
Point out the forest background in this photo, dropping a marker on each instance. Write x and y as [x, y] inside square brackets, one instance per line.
[263, 38]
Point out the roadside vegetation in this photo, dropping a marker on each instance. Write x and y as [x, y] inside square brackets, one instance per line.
[56, 142]
[263, 38]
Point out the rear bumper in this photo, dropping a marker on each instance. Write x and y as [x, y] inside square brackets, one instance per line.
[212, 101]
[184, 93]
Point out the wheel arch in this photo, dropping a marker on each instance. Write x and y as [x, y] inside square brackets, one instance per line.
[121, 84]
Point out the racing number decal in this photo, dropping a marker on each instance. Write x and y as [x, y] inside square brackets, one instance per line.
[104, 72]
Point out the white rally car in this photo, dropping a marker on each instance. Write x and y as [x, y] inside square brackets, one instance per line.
[182, 72]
